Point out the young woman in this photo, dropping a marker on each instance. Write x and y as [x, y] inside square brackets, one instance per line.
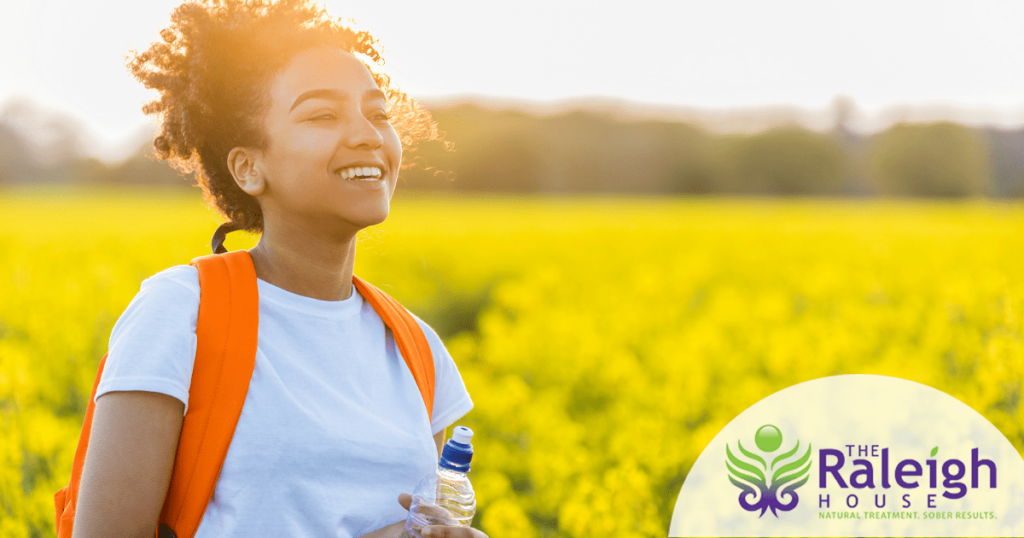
[289, 134]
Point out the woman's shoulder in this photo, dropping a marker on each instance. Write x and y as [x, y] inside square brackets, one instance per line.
[170, 293]
[432, 337]
[173, 281]
[167, 300]
[437, 347]
[153, 342]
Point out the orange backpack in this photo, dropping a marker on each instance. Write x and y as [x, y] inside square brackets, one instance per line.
[225, 356]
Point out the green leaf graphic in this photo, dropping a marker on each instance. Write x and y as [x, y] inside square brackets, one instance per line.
[778, 477]
[751, 455]
[740, 464]
[733, 472]
[741, 485]
[935, 451]
[786, 455]
[798, 484]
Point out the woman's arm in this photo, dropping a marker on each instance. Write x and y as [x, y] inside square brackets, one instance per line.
[128, 466]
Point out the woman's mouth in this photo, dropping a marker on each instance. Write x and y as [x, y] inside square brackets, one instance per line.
[360, 173]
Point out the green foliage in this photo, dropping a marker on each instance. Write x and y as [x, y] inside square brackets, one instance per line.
[940, 159]
[591, 152]
[611, 338]
[789, 161]
[576, 152]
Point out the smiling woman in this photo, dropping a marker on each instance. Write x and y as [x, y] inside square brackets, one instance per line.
[338, 130]
[289, 133]
[219, 67]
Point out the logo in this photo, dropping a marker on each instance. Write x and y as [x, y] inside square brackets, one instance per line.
[872, 456]
[776, 482]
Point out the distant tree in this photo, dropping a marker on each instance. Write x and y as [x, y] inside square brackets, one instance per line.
[680, 158]
[16, 162]
[789, 160]
[1006, 161]
[844, 109]
[939, 159]
[143, 168]
[491, 151]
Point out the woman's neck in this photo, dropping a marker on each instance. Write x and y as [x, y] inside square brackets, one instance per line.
[306, 264]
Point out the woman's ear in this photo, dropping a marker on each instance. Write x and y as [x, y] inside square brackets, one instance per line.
[246, 171]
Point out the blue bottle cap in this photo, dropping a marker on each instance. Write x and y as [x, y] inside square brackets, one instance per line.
[458, 451]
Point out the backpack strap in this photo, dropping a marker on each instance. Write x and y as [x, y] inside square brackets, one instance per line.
[225, 356]
[409, 337]
[226, 335]
[227, 353]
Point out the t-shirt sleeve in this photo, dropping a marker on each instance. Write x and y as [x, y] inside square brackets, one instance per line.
[153, 344]
[451, 399]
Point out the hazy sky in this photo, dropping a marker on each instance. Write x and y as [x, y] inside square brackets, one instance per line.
[712, 53]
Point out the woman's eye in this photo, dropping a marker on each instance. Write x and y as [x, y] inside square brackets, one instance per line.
[381, 116]
[322, 117]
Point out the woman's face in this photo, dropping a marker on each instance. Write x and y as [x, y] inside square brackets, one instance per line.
[332, 157]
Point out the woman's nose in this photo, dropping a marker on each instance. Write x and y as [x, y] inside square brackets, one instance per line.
[361, 133]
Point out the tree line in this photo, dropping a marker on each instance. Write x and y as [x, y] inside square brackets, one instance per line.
[586, 152]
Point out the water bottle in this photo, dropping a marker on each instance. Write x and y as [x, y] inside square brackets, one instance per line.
[445, 497]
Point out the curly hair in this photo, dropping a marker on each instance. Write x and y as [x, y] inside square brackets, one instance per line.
[212, 70]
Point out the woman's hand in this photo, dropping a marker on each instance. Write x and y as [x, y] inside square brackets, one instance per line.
[441, 531]
[394, 530]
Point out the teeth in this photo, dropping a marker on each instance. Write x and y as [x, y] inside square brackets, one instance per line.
[360, 173]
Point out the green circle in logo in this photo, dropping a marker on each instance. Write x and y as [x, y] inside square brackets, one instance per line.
[768, 438]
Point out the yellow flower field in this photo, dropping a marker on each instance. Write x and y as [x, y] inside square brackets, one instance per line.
[605, 341]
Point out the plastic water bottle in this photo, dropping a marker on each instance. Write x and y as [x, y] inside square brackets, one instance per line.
[445, 497]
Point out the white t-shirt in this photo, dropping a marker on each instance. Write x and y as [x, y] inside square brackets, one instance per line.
[333, 427]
